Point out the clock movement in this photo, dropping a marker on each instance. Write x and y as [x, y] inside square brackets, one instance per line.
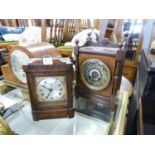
[50, 88]
[98, 72]
[21, 55]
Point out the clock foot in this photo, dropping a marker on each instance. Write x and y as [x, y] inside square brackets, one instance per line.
[71, 113]
[35, 118]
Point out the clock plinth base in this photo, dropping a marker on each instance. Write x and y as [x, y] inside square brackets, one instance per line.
[101, 101]
[70, 113]
[91, 108]
[59, 113]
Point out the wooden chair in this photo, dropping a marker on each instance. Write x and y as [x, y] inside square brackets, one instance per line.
[56, 31]
[63, 30]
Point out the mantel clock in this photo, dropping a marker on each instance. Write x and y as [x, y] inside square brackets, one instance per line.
[21, 55]
[98, 72]
[50, 88]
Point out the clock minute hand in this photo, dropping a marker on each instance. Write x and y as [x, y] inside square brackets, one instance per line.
[45, 87]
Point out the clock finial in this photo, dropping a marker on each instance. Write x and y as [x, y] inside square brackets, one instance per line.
[89, 34]
[89, 39]
[76, 47]
[120, 45]
[76, 42]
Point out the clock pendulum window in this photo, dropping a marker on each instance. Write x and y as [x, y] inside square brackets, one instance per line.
[50, 88]
[98, 75]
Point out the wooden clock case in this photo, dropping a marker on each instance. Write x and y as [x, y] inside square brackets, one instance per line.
[33, 51]
[113, 58]
[47, 110]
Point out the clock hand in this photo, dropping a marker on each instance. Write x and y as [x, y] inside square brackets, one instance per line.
[48, 95]
[50, 90]
[45, 87]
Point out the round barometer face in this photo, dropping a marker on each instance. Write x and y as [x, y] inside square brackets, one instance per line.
[18, 59]
[50, 89]
[95, 74]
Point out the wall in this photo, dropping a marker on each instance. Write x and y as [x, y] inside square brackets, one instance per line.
[147, 34]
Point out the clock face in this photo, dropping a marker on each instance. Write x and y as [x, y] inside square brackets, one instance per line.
[18, 59]
[95, 74]
[51, 89]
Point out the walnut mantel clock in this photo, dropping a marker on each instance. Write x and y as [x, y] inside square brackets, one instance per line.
[21, 55]
[98, 72]
[50, 88]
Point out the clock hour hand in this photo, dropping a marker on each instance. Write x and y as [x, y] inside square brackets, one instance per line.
[50, 90]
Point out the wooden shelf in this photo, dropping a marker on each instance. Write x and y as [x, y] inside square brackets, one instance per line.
[7, 44]
[66, 52]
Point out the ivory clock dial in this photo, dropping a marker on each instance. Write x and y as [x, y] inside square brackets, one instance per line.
[18, 59]
[51, 89]
[95, 74]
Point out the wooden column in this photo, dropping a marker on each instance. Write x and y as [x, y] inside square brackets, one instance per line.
[97, 23]
[118, 29]
[66, 30]
[103, 27]
[14, 22]
[77, 25]
[43, 30]
[6, 22]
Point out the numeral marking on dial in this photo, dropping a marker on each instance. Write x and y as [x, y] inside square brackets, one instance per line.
[51, 89]
[42, 94]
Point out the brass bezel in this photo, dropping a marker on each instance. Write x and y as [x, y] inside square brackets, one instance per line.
[60, 78]
[90, 86]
